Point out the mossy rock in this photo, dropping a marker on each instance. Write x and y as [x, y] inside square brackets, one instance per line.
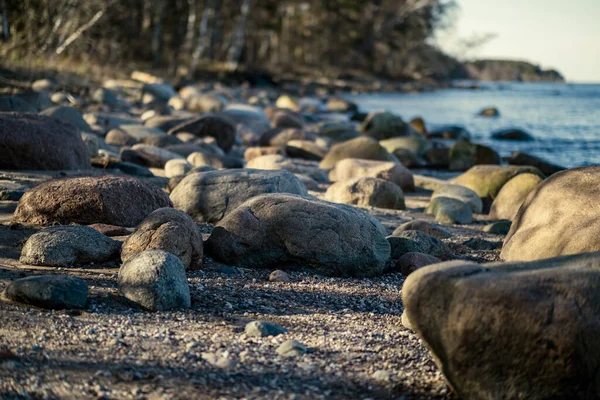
[416, 143]
[487, 180]
[464, 155]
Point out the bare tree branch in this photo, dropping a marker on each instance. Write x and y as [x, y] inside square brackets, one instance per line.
[75, 35]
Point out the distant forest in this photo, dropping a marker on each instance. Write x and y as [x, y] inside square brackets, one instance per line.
[319, 38]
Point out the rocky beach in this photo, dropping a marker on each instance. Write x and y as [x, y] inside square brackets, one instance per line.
[203, 240]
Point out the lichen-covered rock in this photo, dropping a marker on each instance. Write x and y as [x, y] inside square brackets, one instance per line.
[155, 280]
[285, 231]
[35, 142]
[65, 246]
[511, 330]
[367, 192]
[170, 230]
[87, 200]
[209, 196]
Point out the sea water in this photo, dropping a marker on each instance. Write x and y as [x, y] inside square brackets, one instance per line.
[564, 118]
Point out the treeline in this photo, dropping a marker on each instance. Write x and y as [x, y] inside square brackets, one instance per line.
[386, 38]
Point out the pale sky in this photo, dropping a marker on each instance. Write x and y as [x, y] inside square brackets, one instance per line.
[559, 34]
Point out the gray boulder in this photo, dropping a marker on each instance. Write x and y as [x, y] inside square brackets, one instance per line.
[461, 193]
[155, 280]
[210, 196]
[49, 291]
[417, 242]
[68, 114]
[511, 330]
[367, 192]
[282, 230]
[65, 246]
[169, 230]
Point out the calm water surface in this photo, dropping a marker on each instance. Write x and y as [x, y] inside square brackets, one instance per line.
[564, 118]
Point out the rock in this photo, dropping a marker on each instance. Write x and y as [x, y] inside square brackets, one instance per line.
[43, 85]
[263, 329]
[437, 157]
[159, 91]
[447, 210]
[105, 96]
[34, 142]
[547, 168]
[461, 193]
[92, 142]
[367, 192]
[416, 143]
[512, 134]
[487, 180]
[186, 149]
[428, 182]
[363, 148]
[338, 131]
[164, 123]
[170, 230]
[279, 276]
[304, 149]
[291, 348]
[254, 152]
[425, 227]
[117, 137]
[288, 102]
[418, 124]
[281, 136]
[140, 132]
[49, 291]
[209, 196]
[338, 104]
[450, 132]
[131, 169]
[68, 114]
[381, 376]
[218, 126]
[206, 103]
[410, 262]
[220, 359]
[498, 227]
[557, 218]
[15, 104]
[199, 159]
[155, 280]
[407, 158]
[308, 182]
[65, 246]
[464, 155]
[283, 230]
[417, 242]
[489, 112]
[110, 230]
[382, 125]
[162, 141]
[12, 190]
[176, 167]
[88, 200]
[287, 119]
[511, 196]
[151, 156]
[514, 330]
[480, 244]
[406, 322]
[351, 168]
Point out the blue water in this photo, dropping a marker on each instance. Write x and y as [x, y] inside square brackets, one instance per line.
[564, 118]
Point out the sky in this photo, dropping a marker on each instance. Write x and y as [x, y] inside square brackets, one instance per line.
[559, 34]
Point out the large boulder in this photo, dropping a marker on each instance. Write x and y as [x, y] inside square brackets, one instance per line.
[512, 195]
[363, 147]
[351, 168]
[367, 192]
[35, 142]
[461, 193]
[209, 196]
[281, 230]
[15, 104]
[512, 330]
[382, 125]
[558, 217]
[64, 246]
[49, 291]
[487, 180]
[155, 280]
[170, 230]
[70, 115]
[87, 200]
[218, 126]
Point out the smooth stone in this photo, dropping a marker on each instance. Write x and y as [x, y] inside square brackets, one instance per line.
[263, 329]
[279, 276]
[425, 227]
[489, 112]
[547, 168]
[362, 148]
[448, 210]
[487, 180]
[498, 227]
[367, 192]
[480, 244]
[352, 168]
[177, 167]
[464, 155]
[49, 291]
[512, 134]
[511, 196]
[68, 114]
[417, 242]
[291, 348]
[155, 280]
[461, 193]
[410, 262]
[382, 125]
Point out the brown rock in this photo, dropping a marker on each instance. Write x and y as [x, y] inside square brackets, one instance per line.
[219, 126]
